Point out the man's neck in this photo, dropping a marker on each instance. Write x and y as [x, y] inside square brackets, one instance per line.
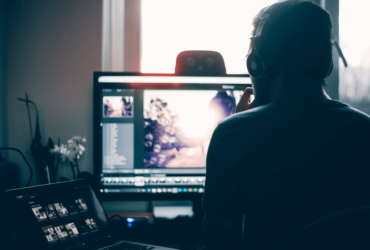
[304, 87]
[279, 88]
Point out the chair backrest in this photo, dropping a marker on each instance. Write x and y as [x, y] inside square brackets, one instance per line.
[200, 62]
[347, 229]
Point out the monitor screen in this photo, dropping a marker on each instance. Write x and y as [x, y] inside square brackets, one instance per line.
[152, 132]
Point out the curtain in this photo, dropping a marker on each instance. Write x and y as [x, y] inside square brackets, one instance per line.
[113, 42]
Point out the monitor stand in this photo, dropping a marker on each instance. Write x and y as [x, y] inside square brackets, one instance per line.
[172, 209]
[177, 222]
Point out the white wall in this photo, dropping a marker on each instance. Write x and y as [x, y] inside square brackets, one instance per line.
[54, 46]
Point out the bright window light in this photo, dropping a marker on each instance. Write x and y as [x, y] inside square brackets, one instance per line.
[172, 26]
[354, 85]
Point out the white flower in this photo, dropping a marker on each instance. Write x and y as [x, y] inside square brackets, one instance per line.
[55, 149]
[63, 149]
[76, 139]
[67, 157]
[70, 151]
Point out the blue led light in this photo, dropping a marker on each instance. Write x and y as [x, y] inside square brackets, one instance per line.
[129, 224]
[130, 220]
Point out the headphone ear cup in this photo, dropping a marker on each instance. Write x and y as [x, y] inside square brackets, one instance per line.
[255, 65]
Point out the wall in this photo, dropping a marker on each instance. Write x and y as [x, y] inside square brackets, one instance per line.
[53, 49]
[3, 83]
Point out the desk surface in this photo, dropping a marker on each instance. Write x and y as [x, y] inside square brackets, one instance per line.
[153, 233]
[133, 214]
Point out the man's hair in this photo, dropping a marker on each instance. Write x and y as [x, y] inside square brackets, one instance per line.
[296, 40]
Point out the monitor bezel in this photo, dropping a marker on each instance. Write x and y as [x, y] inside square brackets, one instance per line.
[97, 86]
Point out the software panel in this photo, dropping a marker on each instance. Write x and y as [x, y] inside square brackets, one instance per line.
[152, 132]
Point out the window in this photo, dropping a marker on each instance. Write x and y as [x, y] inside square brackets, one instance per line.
[169, 27]
[354, 85]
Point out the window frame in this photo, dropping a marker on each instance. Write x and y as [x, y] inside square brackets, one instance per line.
[332, 6]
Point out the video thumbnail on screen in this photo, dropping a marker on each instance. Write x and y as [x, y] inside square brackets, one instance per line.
[72, 230]
[50, 211]
[39, 212]
[90, 222]
[50, 235]
[62, 232]
[81, 205]
[179, 125]
[61, 209]
[118, 106]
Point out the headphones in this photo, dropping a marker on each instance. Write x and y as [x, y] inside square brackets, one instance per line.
[256, 65]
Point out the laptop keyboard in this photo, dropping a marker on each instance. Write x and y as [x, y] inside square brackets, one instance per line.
[128, 246]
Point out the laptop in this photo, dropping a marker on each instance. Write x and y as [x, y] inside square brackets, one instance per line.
[66, 216]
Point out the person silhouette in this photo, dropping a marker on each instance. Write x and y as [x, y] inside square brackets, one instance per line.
[292, 155]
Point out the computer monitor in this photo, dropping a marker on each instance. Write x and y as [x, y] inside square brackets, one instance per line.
[152, 131]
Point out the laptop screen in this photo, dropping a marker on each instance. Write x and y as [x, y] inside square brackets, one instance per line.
[61, 216]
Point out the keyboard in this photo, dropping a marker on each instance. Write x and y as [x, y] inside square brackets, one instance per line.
[128, 246]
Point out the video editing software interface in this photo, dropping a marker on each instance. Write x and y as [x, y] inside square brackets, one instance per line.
[68, 218]
[155, 130]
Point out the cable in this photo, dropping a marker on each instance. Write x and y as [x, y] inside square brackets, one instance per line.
[116, 215]
[24, 158]
[340, 53]
[115, 227]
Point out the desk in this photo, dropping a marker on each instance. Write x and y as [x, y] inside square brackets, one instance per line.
[133, 214]
[159, 232]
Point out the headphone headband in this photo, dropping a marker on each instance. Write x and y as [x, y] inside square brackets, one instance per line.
[255, 63]
[265, 16]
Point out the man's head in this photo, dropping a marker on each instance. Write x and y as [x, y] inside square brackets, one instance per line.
[295, 42]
